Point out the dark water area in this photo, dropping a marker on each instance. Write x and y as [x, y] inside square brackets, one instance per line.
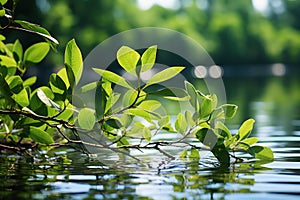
[273, 101]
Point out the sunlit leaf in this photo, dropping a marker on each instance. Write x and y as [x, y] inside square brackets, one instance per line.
[112, 77]
[206, 107]
[148, 58]
[224, 130]
[73, 61]
[64, 76]
[7, 61]
[15, 84]
[181, 124]
[57, 84]
[36, 53]
[34, 28]
[183, 154]
[46, 100]
[86, 118]
[21, 98]
[128, 59]
[262, 153]
[192, 93]
[18, 51]
[245, 129]
[229, 110]
[250, 141]
[164, 75]
[189, 118]
[30, 81]
[88, 87]
[150, 105]
[146, 133]
[40, 136]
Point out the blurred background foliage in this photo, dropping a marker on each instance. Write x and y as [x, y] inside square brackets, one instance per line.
[233, 32]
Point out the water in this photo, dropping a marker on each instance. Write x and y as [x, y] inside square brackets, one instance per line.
[71, 175]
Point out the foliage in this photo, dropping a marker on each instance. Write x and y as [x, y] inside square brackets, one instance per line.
[46, 117]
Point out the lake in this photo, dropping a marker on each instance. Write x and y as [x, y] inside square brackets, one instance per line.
[274, 103]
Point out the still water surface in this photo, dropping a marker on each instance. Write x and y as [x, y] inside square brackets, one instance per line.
[72, 175]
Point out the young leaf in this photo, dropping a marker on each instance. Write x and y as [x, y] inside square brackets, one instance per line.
[148, 58]
[112, 77]
[34, 28]
[229, 110]
[64, 76]
[149, 105]
[57, 84]
[46, 100]
[128, 59]
[30, 81]
[15, 84]
[192, 93]
[164, 75]
[245, 129]
[73, 61]
[189, 118]
[7, 61]
[224, 130]
[40, 136]
[146, 133]
[181, 124]
[86, 119]
[21, 98]
[262, 153]
[18, 51]
[206, 107]
[250, 141]
[36, 53]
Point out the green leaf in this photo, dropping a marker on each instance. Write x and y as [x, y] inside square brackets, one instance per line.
[208, 137]
[163, 121]
[129, 97]
[15, 84]
[112, 77]
[57, 84]
[88, 87]
[148, 58]
[2, 2]
[222, 155]
[40, 136]
[189, 118]
[86, 118]
[164, 75]
[250, 141]
[181, 124]
[18, 51]
[111, 102]
[21, 98]
[149, 105]
[224, 130]
[192, 93]
[64, 76]
[146, 133]
[142, 113]
[114, 122]
[73, 61]
[128, 59]
[46, 100]
[30, 81]
[7, 61]
[262, 153]
[229, 110]
[34, 28]
[2, 12]
[194, 153]
[206, 107]
[36, 53]
[245, 129]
